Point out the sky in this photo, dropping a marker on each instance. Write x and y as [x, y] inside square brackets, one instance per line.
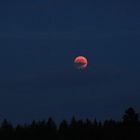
[39, 40]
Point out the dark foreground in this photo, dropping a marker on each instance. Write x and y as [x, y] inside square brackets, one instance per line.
[126, 129]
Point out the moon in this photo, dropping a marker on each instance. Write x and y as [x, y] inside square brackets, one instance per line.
[81, 62]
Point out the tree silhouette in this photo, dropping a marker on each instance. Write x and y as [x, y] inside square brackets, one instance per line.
[126, 129]
[63, 130]
[130, 117]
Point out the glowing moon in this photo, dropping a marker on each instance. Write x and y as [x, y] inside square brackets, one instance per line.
[81, 62]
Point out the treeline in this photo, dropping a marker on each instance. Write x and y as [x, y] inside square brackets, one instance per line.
[126, 129]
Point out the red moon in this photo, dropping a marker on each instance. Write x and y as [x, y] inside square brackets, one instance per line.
[81, 62]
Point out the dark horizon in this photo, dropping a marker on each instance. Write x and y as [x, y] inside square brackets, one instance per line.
[127, 128]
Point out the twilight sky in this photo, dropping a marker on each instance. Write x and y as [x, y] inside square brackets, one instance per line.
[39, 40]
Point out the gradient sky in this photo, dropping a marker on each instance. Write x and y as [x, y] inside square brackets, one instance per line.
[39, 40]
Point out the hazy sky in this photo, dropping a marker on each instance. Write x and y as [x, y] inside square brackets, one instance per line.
[39, 40]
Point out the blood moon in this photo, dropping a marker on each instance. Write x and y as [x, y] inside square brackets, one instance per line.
[81, 62]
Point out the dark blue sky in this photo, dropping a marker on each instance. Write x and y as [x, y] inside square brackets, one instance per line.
[38, 42]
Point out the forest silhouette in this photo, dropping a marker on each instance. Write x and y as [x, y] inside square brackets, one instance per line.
[128, 128]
